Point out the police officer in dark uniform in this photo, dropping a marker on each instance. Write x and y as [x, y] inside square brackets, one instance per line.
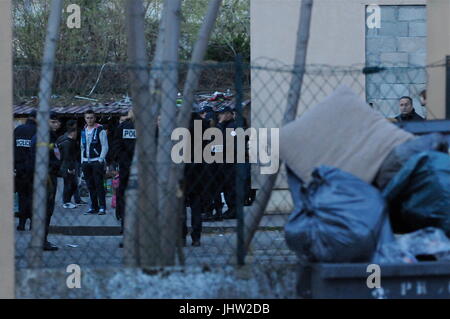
[23, 167]
[53, 173]
[227, 125]
[197, 177]
[212, 200]
[123, 146]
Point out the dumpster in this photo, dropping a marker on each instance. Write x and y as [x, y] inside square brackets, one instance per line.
[410, 281]
[421, 280]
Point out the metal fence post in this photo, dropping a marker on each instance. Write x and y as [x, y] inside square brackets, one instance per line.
[447, 87]
[240, 172]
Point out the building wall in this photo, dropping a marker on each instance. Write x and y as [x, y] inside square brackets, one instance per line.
[400, 42]
[337, 38]
[438, 41]
[7, 273]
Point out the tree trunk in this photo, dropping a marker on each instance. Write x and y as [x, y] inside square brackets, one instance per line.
[147, 214]
[169, 93]
[43, 136]
[253, 218]
[184, 115]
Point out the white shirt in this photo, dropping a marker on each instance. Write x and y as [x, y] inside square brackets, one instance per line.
[89, 135]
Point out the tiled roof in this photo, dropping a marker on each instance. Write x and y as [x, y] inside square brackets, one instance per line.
[25, 110]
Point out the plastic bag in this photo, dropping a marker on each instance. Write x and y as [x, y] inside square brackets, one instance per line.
[336, 218]
[403, 152]
[388, 249]
[393, 253]
[419, 195]
[425, 244]
[427, 241]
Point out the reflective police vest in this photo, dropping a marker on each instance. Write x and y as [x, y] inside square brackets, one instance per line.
[22, 145]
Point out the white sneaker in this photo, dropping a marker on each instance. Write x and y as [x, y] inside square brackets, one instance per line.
[101, 211]
[69, 205]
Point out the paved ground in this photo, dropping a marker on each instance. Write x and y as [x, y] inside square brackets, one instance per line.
[94, 240]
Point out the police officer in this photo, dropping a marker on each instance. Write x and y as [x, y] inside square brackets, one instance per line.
[196, 178]
[124, 142]
[53, 172]
[227, 125]
[23, 167]
[213, 199]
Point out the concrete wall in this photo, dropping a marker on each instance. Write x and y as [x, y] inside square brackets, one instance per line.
[400, 42]
[6, 167]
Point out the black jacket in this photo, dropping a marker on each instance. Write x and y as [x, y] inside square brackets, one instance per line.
[124, 142]
[231, 125]
[53, 162]
[69, 155]
[198, 176]
[23, 135]
[412, 116]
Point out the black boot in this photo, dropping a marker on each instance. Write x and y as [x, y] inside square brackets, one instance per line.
[208, 216]
[21, 226]
[229, 214]
[218, 216]
[48, 246]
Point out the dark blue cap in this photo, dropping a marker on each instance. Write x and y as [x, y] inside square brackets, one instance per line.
[32, 114]
[53, 115]
[223, 109]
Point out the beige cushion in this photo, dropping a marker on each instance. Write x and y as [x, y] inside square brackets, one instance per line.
[343, 132]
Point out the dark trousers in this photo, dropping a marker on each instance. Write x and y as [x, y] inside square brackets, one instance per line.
[52, 184]
[124, 175]
[70, 186]
[229, 186]
[214, 185]
[196, 217]
[76, 192]
[24, 189]
[94, 173]
[217, 202]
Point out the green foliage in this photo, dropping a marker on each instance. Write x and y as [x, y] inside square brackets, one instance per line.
[102, 36]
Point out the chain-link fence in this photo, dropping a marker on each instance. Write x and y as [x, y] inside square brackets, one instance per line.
[159, 186]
